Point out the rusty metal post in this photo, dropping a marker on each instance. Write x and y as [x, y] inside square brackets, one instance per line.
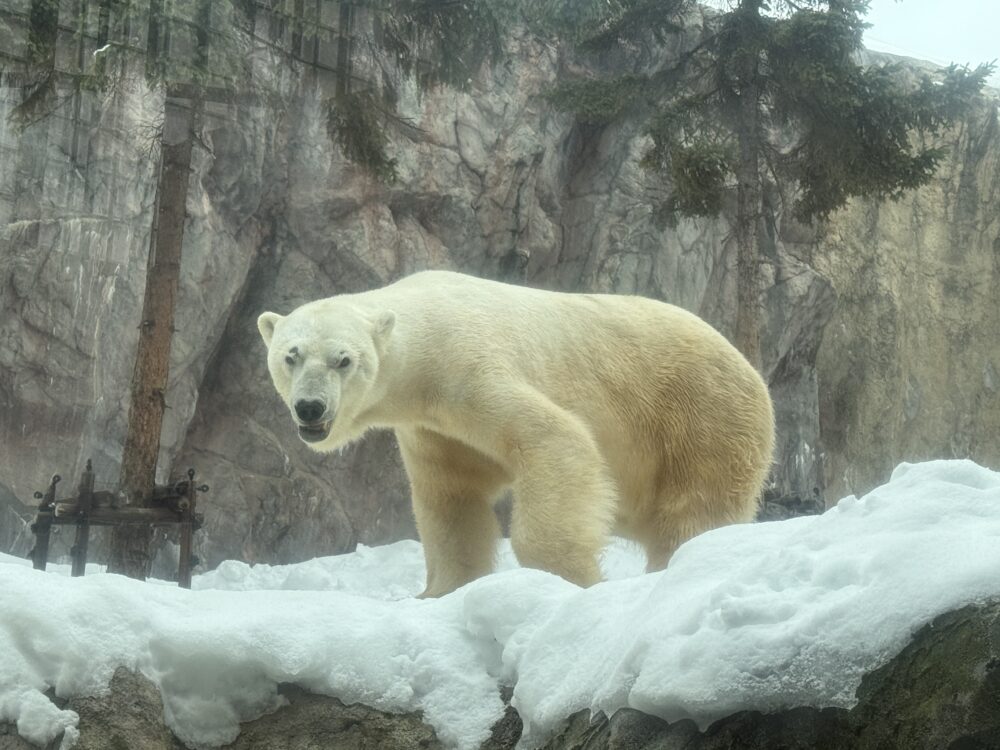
[187, 531]
[42, 525]
[85, 500]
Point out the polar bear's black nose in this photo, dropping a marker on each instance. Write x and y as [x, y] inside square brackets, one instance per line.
[309, 411]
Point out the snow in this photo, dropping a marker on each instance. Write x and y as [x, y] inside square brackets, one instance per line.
[759, 616]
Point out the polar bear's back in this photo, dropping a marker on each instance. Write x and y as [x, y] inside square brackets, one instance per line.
[575, 336]
[632, 366]
[676, 410]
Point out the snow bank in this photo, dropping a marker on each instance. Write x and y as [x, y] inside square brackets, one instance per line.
[758, 616]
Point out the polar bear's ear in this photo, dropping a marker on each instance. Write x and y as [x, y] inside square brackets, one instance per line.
[265, 324]
[383, 325]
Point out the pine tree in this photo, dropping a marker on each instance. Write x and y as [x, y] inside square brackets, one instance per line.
[771, 89]
[184, 78]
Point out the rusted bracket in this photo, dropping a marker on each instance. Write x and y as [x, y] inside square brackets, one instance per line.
[85, 502]
[169, 505]
[42, 525]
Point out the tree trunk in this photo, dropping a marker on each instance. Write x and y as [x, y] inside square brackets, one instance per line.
[43, 34]
[130, 544]
[345, 41]
[748, 202]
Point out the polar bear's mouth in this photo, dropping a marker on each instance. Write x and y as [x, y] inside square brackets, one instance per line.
[313, 433]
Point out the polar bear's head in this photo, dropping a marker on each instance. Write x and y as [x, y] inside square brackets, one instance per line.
[324, 360]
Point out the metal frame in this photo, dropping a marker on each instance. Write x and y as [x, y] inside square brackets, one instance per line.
[170, 505]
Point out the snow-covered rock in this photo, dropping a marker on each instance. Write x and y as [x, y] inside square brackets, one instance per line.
[761, 616]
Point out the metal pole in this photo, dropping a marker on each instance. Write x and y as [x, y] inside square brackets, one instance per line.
[43, 524]
[187, 529]
[85, 503]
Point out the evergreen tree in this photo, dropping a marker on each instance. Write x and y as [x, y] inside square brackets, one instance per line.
[772, 87]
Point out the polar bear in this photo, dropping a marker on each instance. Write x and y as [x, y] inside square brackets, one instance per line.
[602, 413]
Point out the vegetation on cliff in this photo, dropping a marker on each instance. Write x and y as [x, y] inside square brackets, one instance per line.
[765, 90]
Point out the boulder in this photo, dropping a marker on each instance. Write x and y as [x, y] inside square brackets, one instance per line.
[941, 691]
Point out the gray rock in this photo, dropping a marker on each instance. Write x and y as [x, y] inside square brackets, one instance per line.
[941, 691]
[904, 367]
[314, 722]
[773, 508]
[627, 729]
[129, 717]
[880, 330]
[11, 740]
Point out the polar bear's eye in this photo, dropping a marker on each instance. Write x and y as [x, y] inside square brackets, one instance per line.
[345, 361]
[290, 360]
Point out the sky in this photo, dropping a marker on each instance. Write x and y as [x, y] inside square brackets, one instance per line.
[752, 616]
[942, 31]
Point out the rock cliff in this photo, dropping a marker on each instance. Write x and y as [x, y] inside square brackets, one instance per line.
[881, 333]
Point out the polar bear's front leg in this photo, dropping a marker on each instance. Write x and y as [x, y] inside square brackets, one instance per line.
[564, 498]
[453, 489]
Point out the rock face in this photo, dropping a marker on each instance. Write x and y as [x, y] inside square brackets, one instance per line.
[880, 335]
[941, 691]
[314, 722]
[908, 366]
[795, 729]
[129, 716]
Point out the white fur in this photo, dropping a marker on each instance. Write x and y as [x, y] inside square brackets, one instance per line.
[600, 412]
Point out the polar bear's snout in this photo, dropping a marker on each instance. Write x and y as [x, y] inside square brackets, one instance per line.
[314, 422]
[309, 411]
